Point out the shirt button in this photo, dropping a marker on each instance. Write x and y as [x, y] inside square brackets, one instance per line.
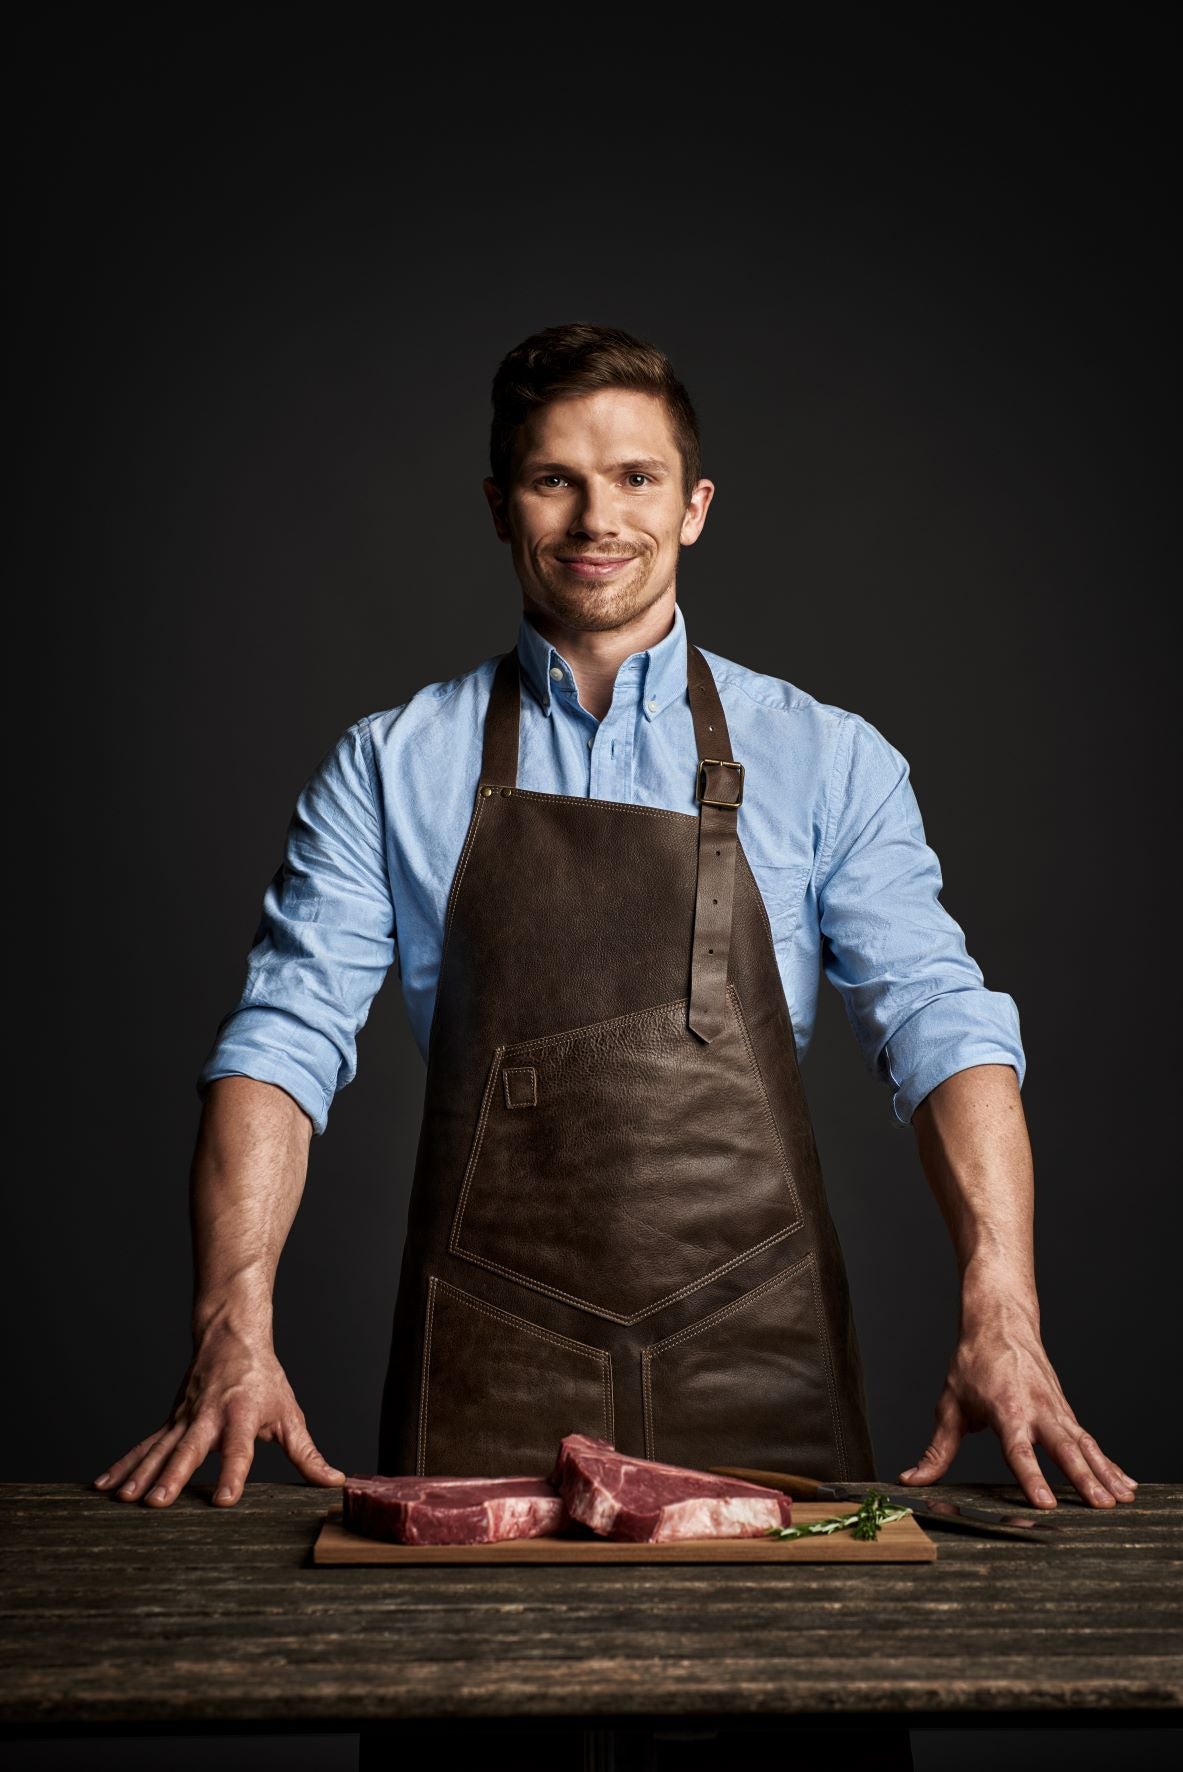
[589, 744]
[556, 673]
[652, 706]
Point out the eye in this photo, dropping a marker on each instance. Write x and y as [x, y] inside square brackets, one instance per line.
[549, 481]
[638, 479]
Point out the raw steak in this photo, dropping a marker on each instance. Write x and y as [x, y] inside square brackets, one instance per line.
[452, 1510]
[639, 1499]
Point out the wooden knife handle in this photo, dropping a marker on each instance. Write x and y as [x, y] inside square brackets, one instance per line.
[804, 1488]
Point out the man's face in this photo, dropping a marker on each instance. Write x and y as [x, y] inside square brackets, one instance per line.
[596, 510]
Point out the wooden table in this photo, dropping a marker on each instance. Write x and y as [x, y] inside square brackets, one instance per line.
[114, 1616]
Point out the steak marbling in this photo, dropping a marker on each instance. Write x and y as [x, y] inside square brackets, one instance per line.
[452, 1510]
[652, 1503]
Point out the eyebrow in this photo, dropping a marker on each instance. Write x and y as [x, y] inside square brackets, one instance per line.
[647, 464]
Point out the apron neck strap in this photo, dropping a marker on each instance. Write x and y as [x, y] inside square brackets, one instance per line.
[719, 792]
[499, 761]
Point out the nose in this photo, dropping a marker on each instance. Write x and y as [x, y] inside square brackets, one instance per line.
[593, 517]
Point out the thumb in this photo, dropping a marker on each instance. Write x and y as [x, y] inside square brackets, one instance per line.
[947, 1436]
[308, 1460]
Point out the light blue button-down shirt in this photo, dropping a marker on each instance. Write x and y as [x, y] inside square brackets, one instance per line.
[829, 823]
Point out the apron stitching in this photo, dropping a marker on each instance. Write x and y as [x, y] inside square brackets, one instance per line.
[592, 1027]
[596, 800]
[460, 868]
[730, 1309]
[421, 1454]
[509, 1071]
[494, 1310]
[602, 1358]
[648, 1354]
[650, 1310]
[456, 1248]
[477, 1145]
[824, 1337]
[609, 1402]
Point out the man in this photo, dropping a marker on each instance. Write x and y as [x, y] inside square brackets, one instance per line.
[609, 864]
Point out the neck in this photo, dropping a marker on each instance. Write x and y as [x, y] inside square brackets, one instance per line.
[596, 654]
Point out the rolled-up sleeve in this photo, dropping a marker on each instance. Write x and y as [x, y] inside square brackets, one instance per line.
[915, 998]
[324, 943]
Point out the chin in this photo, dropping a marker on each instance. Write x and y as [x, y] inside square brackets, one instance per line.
[594, 607]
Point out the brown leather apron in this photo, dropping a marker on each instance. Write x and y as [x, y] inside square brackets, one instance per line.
[618, 1225]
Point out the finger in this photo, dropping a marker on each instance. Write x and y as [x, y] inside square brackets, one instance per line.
[1020, 1455]
[947, 1436]
[238, 1454]
[144, 1472]
[1071, 1460]
[1112, 1475]
[190, 1451]
[115, 1473]
[312, 1465]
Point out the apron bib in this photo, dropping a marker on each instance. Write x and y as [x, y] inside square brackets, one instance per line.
[618, 1225]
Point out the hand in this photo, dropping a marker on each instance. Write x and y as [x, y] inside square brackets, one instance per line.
[234, 1393]
[1000, 1377]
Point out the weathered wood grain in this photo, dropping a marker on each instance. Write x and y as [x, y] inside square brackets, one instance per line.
[117, 1614]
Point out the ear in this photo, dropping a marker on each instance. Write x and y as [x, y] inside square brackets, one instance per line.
[696, 512]
[496, 500]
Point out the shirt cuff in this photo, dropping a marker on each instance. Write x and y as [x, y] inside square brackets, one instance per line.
[241, 1058]
[924, 1052]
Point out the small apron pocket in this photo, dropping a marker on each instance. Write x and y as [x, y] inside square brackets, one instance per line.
[621, 1165]
[498, 1393]
[751, 1384]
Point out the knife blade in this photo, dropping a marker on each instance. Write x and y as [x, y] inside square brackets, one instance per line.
[960, 1515]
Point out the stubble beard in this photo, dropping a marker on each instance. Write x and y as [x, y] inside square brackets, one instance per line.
[597, 608]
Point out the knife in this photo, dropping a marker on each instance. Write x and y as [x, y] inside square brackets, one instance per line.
[960, 1515]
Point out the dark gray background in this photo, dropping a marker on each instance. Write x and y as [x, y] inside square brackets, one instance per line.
[920, 301]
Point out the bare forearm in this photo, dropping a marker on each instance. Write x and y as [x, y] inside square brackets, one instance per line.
[972, 1137]
[973, 1142]
[247, 1178]
[246, 1182]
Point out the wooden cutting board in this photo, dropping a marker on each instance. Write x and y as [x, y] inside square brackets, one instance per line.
[901, 1542]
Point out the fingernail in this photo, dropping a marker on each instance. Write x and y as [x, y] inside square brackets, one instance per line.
[337, 1476]
[1045, 1497]
[224, 1494]
[101, 1482]
[129, 1488]
[159, 1494]
[910, 1472]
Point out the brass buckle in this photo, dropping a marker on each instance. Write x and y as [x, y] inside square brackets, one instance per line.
[718, 763]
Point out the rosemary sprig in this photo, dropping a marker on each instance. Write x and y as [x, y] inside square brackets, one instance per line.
[874, 1511]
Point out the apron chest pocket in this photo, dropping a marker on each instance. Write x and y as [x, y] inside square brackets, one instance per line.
[648, 1165]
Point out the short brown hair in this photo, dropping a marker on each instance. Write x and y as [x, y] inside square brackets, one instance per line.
[563, 362]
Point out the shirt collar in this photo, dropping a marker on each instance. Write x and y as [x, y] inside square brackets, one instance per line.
[658, 673]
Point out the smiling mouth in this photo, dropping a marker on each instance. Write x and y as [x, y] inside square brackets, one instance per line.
[595, 566]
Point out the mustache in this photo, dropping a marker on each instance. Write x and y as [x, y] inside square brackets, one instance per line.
[602, 553]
